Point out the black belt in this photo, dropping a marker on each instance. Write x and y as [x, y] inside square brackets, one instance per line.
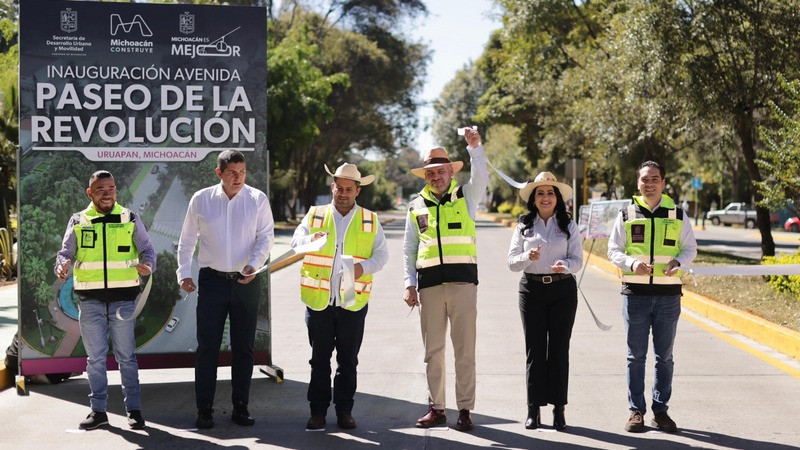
[226, 275]
[547, 279]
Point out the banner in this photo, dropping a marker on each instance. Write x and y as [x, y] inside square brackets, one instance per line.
[152, 93]
[602, 216]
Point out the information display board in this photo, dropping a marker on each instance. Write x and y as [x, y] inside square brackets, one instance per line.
[152, 93]
[602, 216]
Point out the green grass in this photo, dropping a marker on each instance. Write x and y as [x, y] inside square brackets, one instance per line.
[745, 293]
[140, 177]
[33, 338]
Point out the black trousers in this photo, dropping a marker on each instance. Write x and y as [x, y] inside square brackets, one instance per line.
[548, 313]
[338, 328]
[218, 298]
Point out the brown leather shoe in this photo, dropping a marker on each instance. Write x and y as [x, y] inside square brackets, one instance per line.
[434, 418]
[464, 423]
[345, 421]
[635, 423]
[316, 423]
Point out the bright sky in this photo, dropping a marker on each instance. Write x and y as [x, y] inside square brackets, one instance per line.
[456, 35]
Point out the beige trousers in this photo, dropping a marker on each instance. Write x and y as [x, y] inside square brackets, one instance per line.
[458, 303]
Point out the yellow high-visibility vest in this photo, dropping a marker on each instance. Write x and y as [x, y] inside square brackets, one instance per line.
[315, 273]
[653, 238]
[106, 256]
[446, 252]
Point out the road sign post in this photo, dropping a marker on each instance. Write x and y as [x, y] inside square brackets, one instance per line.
[697, 184]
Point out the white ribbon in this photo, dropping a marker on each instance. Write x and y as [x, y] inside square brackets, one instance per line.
[348, 281]
[755, 269]
[312, 246]
[142, 300]
[508, 179]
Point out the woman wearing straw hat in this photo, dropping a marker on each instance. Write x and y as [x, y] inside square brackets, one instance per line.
[546, 247]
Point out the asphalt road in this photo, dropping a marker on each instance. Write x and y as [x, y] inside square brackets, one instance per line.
[728, 391]
[743, 242]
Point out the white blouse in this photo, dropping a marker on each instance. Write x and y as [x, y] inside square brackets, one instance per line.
[555, 247]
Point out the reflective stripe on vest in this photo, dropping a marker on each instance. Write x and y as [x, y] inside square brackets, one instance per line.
[446, 236]
[653, 239]
[316, 270]
[106, 256]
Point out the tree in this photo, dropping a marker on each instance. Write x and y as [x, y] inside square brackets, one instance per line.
[781, 158]
[503, 150]
[733, 52]
[456, 107]
[9, 120]
[358, 39]
[297, 94]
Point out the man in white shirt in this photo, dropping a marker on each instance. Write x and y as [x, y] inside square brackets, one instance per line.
[233, 223]
[650, 241]
[441, 273]
[335, 285]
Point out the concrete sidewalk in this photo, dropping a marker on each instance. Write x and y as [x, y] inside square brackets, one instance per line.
[725, 396]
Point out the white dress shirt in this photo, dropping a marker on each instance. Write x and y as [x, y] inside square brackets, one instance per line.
[380, 252]
[233, 233]
[555, 247]
[473, 193]
[616, 243]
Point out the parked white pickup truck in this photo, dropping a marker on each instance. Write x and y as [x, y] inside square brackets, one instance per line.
[736, 213]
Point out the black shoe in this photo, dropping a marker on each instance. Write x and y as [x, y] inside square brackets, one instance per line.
[464, 422]
[559, 422]
[94, 420]
[316, 423]
[135, 420]
[241, 416]
[534, 419]
[345, 421]
[663, 422]
[205, 419]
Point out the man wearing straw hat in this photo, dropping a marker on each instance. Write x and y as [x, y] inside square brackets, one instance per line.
[441, 273]
[650, 240]
[335, 285]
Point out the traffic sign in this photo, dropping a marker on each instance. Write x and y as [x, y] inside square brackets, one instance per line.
[697, 183]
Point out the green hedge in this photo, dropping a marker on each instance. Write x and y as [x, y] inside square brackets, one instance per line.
[785, 283]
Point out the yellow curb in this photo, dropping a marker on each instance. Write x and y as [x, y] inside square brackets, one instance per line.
[780, 338]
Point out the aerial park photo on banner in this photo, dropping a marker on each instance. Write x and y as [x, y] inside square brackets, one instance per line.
[151, 93]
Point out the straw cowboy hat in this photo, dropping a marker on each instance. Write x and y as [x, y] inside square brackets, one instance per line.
[350, 172]
[436, 157]
[545, 179]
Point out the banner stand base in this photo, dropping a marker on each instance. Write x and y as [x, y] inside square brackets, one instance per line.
[22, 388]
[274, 372]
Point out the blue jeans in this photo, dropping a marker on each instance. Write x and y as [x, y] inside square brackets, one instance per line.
[641, 313]
[98, 320]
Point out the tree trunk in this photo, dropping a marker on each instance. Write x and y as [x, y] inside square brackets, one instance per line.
[744, 129]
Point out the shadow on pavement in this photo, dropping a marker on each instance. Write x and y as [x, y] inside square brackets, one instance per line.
[281, 412]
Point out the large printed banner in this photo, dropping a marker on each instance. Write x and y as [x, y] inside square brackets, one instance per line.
[152, 93]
